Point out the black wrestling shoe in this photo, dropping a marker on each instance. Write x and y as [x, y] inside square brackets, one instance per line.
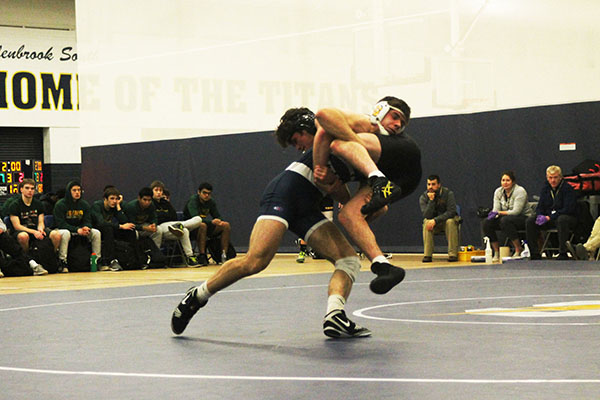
[337, 325]
[387, 277]
[384, 192]
[185, 310]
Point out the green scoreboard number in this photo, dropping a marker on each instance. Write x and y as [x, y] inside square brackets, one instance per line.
[14, 171]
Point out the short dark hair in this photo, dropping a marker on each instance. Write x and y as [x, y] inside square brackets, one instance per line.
[26, 181]
[111, 191]
[205, 185]
[399, 104]
[145, 191]
[157, 183]
[295, 120]
[434, 178]
[510, 174]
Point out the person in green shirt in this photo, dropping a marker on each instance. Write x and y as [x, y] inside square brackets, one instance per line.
[111, 221]
[202, 205]
[73, 216]
[142, 213]
[27, 217]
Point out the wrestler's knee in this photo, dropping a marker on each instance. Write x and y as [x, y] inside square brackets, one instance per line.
[251, 265]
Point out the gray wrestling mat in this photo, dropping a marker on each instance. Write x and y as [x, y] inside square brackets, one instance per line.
[524, 330]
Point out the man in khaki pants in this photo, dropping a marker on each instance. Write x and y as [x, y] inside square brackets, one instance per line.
[439, 215]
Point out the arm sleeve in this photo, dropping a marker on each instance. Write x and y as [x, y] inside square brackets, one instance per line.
[427, 206]
[450, 209]
[497, 196]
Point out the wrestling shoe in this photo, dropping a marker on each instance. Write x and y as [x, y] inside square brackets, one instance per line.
[384, 192]
[337, 325]
[301, 256]
[176, 229]
[387, 277]
[186, 309]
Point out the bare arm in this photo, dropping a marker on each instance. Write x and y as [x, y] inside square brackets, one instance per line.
[334, 124]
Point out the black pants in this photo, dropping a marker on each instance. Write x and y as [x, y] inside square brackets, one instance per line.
[510, 225]
[109, 235]
[20, 264]
[564, 223]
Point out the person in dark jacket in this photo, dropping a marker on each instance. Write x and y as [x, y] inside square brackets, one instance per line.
[202, 205]
[73, 216]
[438, 206]
[169, 226]
[557, 208]
[111, 221]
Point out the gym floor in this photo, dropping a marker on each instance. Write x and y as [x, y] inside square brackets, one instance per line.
[524, 329]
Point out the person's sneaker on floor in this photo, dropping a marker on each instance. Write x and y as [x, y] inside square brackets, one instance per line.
[427, 259]
[62, 266]
[185, 310]
[337, 325]
[176, 229]
[387, 277]
[562, 257]
[384, 192]
[202, 259]
[37, 268]
[103, 268]
[452, 258]
[582, 252]
[301, 257]
[192, 262]
[115, 266]
[578, 252]
[1, 274]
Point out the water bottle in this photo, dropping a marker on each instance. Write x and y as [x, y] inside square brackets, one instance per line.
[93, 262]
[525, 253]
[489, 253]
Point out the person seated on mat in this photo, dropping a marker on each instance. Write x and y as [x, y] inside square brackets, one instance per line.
[27, 219]
[508, 214]
[438, 207]
[587, 250]
[73, 216]
[202, 205]
[108, 217]
[169, 226]
[557, 208]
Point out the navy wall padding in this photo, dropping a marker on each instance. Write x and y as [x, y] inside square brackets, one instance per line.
[468, 151]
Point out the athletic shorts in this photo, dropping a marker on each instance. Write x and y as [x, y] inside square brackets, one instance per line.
[400, 161]
[295, 202]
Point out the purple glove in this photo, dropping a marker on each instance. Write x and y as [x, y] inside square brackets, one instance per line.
[492, 215]
[541, 220]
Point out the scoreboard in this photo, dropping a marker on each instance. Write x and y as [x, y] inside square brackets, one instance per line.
[14, 171]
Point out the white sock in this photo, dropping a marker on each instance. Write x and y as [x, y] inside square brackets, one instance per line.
[381, 259]
[376, 173]
[335, 302]
[202, 293]
[33, 263]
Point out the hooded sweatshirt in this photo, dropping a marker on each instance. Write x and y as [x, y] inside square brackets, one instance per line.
[72, 214]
